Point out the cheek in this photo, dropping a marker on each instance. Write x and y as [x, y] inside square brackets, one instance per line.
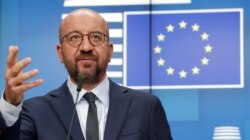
[105, 57]
[68, 57]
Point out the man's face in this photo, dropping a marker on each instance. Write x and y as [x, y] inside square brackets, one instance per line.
[85, 61]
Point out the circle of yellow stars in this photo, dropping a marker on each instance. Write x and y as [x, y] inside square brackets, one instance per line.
[195, 70]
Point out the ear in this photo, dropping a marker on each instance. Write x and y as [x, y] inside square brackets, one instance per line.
[110, 51]
[59, 52]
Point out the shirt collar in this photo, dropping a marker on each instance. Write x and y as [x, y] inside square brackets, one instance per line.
[101, 91]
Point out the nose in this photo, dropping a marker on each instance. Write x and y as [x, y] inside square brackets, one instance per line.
[86, 46]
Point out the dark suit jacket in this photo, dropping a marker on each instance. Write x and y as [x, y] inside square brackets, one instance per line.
[132, 115]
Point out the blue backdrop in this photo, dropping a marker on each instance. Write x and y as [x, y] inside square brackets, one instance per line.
[218, 96]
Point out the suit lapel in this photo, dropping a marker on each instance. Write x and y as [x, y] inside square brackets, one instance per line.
[118, 108]
[63, 105]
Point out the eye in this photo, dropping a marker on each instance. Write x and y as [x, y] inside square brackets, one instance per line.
[96, 37]
[74, 37]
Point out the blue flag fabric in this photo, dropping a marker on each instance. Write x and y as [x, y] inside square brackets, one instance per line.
[201, 49]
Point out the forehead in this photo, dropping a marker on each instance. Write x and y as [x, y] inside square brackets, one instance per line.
[83, 22]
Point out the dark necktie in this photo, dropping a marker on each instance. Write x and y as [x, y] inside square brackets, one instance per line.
[92, 129]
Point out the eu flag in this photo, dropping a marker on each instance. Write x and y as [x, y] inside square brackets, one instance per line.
[184, 49]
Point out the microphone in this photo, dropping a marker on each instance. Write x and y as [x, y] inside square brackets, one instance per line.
[78, 89]
[79, 85]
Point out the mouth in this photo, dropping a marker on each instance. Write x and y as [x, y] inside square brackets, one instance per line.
[86, 61]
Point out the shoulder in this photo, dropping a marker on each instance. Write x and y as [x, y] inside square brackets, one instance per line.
[38, 102]
[136, 95]
[140, 94]
[143, 97]
[47, 98]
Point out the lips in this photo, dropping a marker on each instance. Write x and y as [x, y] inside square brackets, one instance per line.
[86, 58]
[86, 61]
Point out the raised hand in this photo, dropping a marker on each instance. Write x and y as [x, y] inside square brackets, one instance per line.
[15, 78]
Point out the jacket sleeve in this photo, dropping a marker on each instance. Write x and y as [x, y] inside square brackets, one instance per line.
[9, 133]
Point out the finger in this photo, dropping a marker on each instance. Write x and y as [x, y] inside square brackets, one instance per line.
[28, 85]
[15, 95]
[23, 77]
[17, 68]
[12, 56]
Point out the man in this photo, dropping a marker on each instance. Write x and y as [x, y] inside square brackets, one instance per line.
[119, 113]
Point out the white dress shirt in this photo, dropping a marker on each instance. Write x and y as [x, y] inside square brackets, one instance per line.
[102, 104]
[11, 113]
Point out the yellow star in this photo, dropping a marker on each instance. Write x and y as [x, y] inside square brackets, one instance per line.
[161, 37]
[157, 49]
[182, 24]
[161, 62]
[205, 36]
[196, 70]
[183, 74]
[204, 61]
[170, 28]
[195, 27]
[208, 48]
[170, 71]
